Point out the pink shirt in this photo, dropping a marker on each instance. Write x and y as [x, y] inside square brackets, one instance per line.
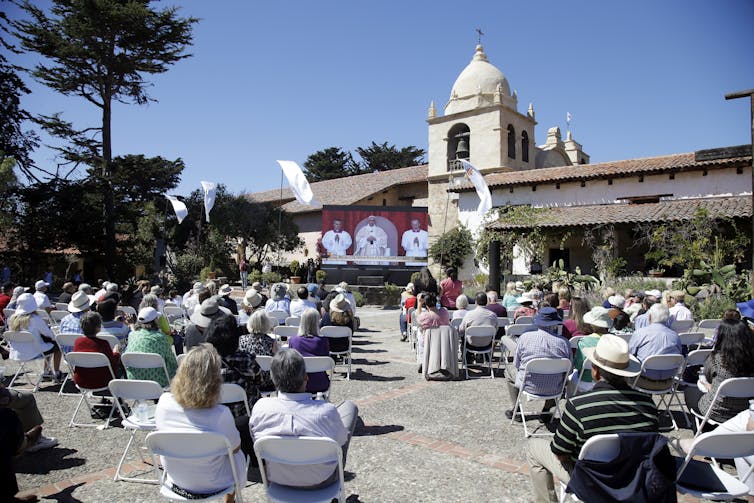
[429, 319]
[450, 292]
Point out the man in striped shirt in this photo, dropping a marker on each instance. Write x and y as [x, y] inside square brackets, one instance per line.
[611, 407]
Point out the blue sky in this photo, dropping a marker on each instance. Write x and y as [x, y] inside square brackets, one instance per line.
[283, 79]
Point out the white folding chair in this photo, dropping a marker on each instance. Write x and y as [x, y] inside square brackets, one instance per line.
[541, 367]
[695, 358]
[709, 324]
[89, 361]
[279, 315]
[24, 338]
[292, 321]
[338, 332]
[506, 358]
[65, 343]
[482, 337]
[56, 316]
[301, 451]
[320, 364]
[708, 481]
[173, 313]
[145, 361]
[264, 362]
[514, 331]
[281, 331]
[233, 393]
[662, 369]
[112, 341]
[679, 326]
[525, 320]
[412, 327]
[179, 358]
[575, 341]
[197, 445]
[735, 387]
[504, 321]
[689, 339]
[61, 306]
[601, 448]
[135, 390]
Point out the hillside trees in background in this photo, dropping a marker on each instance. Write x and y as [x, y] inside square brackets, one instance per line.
[334, 162]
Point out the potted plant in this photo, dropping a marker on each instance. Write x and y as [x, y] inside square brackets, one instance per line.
[295, 268]
[656, 273]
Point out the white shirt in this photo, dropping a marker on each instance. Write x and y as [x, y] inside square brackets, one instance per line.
[43, 301]
[298, 306]
[26, 350]
[371, 249]
[207, 474]
[296, 414]
[337, 243]
[681, 312]
[415, 243]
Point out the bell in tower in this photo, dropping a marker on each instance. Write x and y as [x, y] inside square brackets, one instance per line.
[462, 150]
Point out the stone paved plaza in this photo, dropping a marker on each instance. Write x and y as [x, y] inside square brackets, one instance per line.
[418, 441]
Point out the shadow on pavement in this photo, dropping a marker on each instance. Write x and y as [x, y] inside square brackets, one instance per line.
[66, 495]
[360, 375]
[44, 462]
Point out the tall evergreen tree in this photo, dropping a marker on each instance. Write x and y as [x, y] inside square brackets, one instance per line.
[386, 157]
[328, 164]
[101, 51]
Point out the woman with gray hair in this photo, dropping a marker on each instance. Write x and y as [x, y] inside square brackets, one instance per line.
[259, 343]
[462, 305]
[309, 343]
[193, 405]
[151, 300]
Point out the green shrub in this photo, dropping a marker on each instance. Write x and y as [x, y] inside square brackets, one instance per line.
[321, 275]
[392, 294]
[358, 298]
[712, 307]
[638, 283]
[453, 247]
[272, 277]
[255, 276]
[205, 272]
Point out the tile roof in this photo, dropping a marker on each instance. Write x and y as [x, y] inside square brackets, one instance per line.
[612, 169]
[348, 190]
[672, 210]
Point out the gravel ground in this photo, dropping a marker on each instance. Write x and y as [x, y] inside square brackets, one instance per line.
[383, 466]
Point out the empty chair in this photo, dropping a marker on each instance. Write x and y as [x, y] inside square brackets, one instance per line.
[183, 447]
[90, 361]
[233, 393]
[135, 391]
[708, 481]
[146, 361]
[279, 315]
[292, 321]
[658, 377]
[31, 351]
[65, 343]
[533, 370]
[300, 451]
[689, 339]
[341, 339]
[479, 340]
[682, 325]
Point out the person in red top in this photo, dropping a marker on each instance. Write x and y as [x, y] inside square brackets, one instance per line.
[91, 324]
[5, 297]
[450, 289]
[408, 303]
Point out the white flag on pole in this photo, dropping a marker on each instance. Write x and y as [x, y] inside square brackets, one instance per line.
[482, 190]
[298, 183]
[209, 197]
[180, 209]
[568, 118]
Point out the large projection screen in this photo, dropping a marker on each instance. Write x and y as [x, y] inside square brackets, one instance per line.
[374, 235]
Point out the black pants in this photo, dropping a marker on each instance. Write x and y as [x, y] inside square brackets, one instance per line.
[11, 438]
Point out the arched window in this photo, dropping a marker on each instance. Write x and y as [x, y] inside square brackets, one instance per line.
[511, 141]
[525, 146]
[459, 145]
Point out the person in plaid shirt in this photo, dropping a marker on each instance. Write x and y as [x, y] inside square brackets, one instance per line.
[147, 338]
[545, 342]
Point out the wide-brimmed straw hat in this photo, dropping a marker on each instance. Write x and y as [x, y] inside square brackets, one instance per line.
[252, 298]
[611, 354]
[617, 301]
[598, 316]
[525, 299]
[225, 290]
[339, 304]
[79, 302]
[209, 310]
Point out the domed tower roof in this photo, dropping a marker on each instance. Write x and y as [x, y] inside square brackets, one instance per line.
[479, 84]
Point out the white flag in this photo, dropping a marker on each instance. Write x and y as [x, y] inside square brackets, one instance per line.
[298, 183]
[568, 117]
[209, 197]
[180, 209]
[482, 190]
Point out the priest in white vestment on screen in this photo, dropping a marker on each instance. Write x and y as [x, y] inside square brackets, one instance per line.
[415, 242]
[371, 240]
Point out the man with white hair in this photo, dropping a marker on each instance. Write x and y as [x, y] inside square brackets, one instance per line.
[678, 310]
[656, 338]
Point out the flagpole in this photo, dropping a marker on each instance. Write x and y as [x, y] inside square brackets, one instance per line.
[445, 221]
[280, 214]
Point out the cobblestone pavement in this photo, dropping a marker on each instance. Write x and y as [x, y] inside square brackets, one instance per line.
[417, 440]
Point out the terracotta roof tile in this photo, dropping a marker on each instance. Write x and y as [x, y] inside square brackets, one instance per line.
[348, 190]
[612, 169]
[673, 210]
